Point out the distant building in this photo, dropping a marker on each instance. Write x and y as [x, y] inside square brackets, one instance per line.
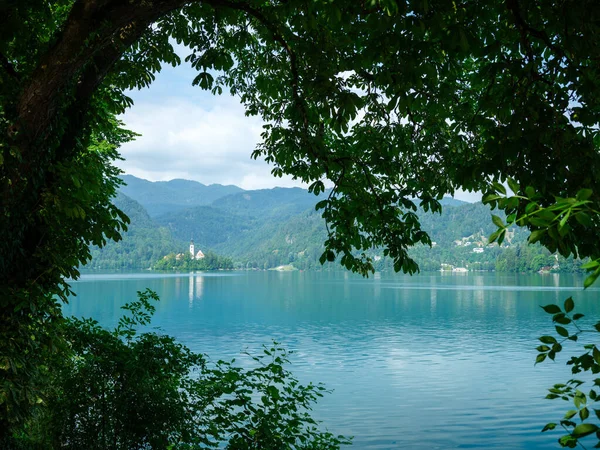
[198, 254]
[478, 250]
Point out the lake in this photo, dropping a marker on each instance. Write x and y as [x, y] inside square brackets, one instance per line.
[424, 362]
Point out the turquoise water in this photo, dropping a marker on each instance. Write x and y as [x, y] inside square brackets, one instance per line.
[424, 362]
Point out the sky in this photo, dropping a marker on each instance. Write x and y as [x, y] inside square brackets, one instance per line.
[189, 133]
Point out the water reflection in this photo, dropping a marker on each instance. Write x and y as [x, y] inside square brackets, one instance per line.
[448, 355]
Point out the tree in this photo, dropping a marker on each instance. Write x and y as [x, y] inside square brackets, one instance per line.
[390, 101]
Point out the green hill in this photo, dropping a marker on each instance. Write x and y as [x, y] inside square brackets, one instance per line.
[236, 220]
[207, 225]
[297, 240]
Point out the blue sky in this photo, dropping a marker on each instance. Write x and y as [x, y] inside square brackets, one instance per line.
[191, 134]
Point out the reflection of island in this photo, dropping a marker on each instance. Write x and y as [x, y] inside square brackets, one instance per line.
[196, 288]
[286, 268]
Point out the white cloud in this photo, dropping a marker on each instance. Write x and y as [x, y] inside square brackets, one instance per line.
[191, 134]
[470, 197]
[184, 139]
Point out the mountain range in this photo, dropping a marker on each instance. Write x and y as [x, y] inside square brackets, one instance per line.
[271, 227]
[161, 197]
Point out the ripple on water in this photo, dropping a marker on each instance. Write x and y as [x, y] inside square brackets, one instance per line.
[414, 363]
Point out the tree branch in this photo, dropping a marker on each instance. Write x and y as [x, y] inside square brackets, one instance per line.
[90, 34]
[95, 34]
[525, 29]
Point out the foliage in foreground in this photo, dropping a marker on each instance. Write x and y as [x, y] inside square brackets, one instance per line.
[390, 100]
[585, 367]
[121, 389]
[556, 227]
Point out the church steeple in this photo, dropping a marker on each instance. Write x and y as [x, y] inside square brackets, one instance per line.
[192, 248]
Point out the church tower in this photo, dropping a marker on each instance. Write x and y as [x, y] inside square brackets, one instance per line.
[192, 248]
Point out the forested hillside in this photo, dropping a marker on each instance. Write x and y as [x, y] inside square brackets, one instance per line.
[142, 245]
[269, 204]
[207, 225]
[273, 227]
[298, 241]
[239, 224]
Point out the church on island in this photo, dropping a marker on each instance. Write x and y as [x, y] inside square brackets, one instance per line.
[198, 255]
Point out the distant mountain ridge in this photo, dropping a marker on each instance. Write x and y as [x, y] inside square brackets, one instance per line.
[270, 227]
[160, 197]
[163, 197]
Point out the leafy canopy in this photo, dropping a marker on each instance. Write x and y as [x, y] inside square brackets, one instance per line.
[390, 101]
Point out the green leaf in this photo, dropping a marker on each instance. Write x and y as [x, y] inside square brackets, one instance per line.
[494, 236]
[584, 413]
[591, 279]
[568, 441]
[591, 264]
[540, 358]
[501, 236]
[536, 236]
[539, 222]
[530, 192]
[530, 207]
[497, 221]
[514, 186]
[561, 318]
[551, 309]
[584, 429]
[564, 220]
[321, 205]
[569, 305]
[596, 354]
[562, 331]
[330, 256]
[549, 426]
[584, 219]
[488, 198]
[548, 340]
[584, 194]
[570, 414]
[499, 187]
